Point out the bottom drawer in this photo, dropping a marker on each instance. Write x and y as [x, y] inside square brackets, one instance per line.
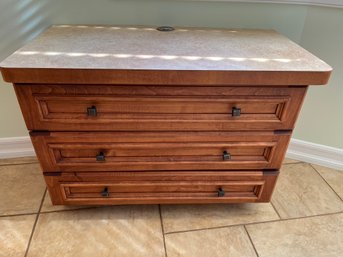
[160, 187]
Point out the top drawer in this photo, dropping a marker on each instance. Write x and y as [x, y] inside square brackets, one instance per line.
[158, 108]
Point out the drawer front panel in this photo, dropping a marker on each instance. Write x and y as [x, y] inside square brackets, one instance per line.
[242, 189]
[114, 108]
[153, 108]
[154, 187]
[100, 151]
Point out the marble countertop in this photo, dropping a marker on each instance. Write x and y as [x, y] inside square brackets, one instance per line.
[145, 48]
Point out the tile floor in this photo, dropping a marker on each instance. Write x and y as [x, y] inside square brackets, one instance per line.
[305, 218]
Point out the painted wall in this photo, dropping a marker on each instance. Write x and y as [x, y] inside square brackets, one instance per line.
[321, 119]
[22, 20]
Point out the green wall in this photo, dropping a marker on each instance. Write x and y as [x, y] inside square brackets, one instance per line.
[321, 119]
[308, 26]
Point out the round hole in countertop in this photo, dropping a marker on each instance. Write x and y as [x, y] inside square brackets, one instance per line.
[165, 28]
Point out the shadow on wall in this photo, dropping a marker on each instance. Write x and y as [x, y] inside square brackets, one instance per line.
[21, 21]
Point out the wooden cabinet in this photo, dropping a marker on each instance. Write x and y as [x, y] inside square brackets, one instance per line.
[123, 116]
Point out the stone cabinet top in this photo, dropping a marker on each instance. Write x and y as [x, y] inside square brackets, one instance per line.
[182, 56]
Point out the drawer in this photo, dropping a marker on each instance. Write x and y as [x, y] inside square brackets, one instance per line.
[158, 187]
[158, 108]
[140, 151]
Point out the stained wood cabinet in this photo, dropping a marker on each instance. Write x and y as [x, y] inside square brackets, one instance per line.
[129, 116]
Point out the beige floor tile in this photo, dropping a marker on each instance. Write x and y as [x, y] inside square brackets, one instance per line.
[20, 160]
[21, 188]
[301, 192]
[14, 235]
[333, 177]
[48, 207]
[308, 237]
[223, 242]
[188, 217]
[289, 161]
[107, 231]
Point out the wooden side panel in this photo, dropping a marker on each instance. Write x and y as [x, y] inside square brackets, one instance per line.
[161, 187]
[61, 151]
[158, 108]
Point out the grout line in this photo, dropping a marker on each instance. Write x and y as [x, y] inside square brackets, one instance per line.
[293, 163]
[164, 239]
[34, 225]
[298, 218]
[19, 214]
[278, 214]
[217, 227]
[253, 223]
[16, 164]
[326, 181]
[252, 243]
[76, 209]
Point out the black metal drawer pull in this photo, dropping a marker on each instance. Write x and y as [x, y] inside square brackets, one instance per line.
[91, 111]
[221, 192]
[100, 157]
[226, 156]
[236, 111]
[105, 192]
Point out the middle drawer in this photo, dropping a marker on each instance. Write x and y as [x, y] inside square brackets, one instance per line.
[141, 151]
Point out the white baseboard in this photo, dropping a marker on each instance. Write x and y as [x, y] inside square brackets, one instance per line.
[12, 147]
[314, 153]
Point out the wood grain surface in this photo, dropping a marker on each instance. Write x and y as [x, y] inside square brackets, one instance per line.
[158, 108]
[159, 151]
[161, 187]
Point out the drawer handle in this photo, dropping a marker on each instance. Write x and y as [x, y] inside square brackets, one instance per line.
[105, 192]
[91, 111]
[100, 157]
[226, 156]
[236, 112]
[221, 192]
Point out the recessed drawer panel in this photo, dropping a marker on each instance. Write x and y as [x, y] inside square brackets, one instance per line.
[153, 108]
[154, 187]
[242, 189]
[129, 151]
